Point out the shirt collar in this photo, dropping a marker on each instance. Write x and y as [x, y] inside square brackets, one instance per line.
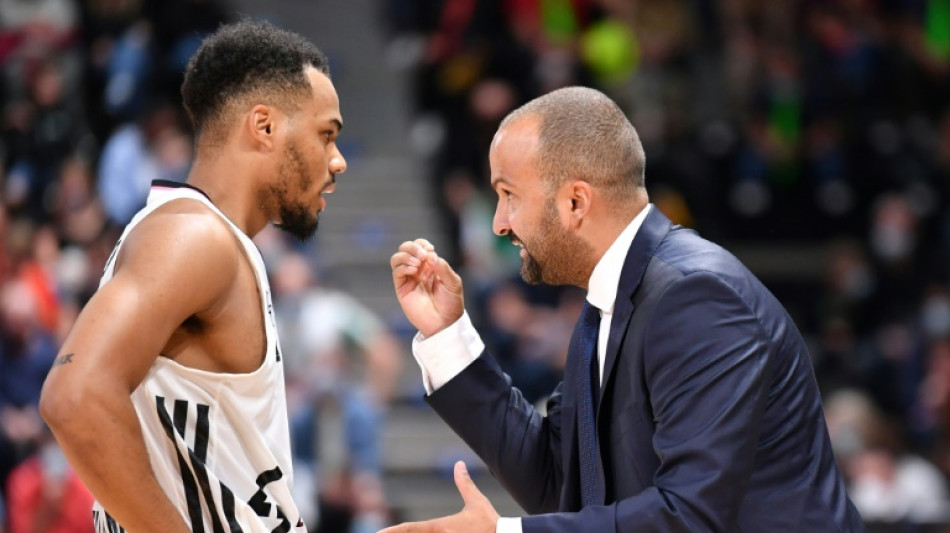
[602, 287]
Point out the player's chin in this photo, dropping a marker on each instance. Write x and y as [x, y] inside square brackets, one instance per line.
[301, 226]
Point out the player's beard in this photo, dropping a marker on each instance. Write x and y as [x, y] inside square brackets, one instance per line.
[555, 256]
[297, 219]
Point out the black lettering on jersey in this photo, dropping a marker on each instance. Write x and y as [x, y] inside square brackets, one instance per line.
[227, 505]
[195, 475]
[259, 503]
[114, 527]
[102, 522]
[188, 481]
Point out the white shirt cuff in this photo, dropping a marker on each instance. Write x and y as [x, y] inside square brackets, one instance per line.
[446, 354]
[508, 525]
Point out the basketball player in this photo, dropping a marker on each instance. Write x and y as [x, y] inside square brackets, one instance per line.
[168, 394]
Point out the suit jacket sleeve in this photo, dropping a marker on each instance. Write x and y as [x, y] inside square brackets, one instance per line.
[520, 446]
[707, 372]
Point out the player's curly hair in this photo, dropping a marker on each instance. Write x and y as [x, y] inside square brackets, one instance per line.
[246, 63]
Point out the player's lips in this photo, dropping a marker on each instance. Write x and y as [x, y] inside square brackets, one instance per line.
[327, 189]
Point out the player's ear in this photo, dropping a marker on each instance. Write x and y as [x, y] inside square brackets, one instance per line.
[261, 126]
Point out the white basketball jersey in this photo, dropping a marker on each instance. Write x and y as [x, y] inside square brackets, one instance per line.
[219, 443]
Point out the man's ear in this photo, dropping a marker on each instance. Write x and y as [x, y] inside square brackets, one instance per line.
[580, 194]
[261, 126]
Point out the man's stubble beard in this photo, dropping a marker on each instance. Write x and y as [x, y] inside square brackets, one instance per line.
[556, 256]
[296, 219]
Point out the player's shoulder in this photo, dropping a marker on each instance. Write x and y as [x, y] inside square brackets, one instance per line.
[182, 232]
[186, 222]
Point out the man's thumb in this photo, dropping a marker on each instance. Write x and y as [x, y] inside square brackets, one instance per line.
[468, 490]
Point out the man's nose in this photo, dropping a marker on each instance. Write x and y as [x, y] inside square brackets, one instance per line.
[338, 164]
[499, 223]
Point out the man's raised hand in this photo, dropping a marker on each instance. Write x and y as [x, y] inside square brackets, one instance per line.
[429, 291]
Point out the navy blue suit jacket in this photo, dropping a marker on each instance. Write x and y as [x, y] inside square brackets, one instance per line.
[709, 417]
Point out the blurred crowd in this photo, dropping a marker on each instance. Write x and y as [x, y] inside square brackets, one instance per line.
[793, 126]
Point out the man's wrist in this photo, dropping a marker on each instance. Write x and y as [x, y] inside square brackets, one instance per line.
[446, 354]
[508, 525]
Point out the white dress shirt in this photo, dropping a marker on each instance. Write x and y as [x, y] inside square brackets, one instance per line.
[446, 354]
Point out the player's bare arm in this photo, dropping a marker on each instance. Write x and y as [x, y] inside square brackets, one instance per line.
[175, 265]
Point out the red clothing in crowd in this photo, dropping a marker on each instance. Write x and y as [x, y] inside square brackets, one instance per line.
[33, 507]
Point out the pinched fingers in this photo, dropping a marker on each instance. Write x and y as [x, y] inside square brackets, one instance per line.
[414, 260]
[419, 248]
[411, 256]
[404, 259]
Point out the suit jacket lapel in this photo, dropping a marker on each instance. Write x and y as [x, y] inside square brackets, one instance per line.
[651, 233]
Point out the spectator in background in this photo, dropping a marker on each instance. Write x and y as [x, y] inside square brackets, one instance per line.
[157, 147]
[26, 353]
[116, 38]
[342, 368]
[46, 496]
[179, 27]
[886, 482]
[935, 397]
[32, 32]
[74, 206]
[45, 129]
[139, 50]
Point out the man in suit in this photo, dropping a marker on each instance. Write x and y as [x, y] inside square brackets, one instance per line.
[689, 402]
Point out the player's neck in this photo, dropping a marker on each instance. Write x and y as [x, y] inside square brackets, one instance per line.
[230, 188]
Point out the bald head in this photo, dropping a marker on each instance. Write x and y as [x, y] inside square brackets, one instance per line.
[584, 135]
